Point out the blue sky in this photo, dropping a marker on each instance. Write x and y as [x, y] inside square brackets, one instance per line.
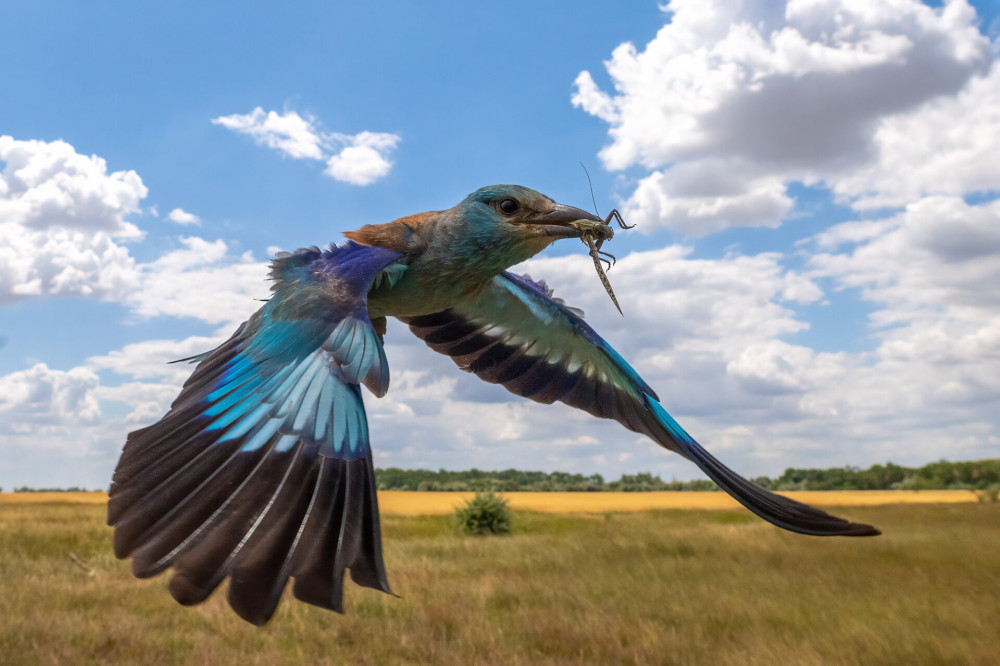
[814, 185]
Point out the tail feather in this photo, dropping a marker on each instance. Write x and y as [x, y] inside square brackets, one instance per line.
[781, 511]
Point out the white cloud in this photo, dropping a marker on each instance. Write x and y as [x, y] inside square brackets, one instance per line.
[781, 93]
[939, 256]
[705, 196]
[151, 359]
[358, 159]
[935, 376]
[948, 146]
[53, 431]
[886, 104]
[41, 398]
[49, 185]
[67, 427]
[363, 159]
[286, 132]
[60, 213]
[155, 380]
[202, 280]
[181, 216]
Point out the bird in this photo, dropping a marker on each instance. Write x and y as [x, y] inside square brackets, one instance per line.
[261, 471]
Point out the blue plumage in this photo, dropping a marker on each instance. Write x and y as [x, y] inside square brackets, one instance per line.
[262, 469]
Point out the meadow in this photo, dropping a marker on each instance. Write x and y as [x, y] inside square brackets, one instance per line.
[663, 586]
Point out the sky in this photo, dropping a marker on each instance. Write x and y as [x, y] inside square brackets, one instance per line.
[812, 280]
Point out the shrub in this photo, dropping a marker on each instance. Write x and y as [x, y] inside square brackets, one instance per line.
[990, 493]
[486, 513]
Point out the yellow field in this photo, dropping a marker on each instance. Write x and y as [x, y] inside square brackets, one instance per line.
[42, 498]
[429, 503]
[403, 503]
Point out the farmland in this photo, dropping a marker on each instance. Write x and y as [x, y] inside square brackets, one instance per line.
[421, 503]
[597, 584]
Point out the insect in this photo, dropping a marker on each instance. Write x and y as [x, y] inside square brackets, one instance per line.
[593, 236]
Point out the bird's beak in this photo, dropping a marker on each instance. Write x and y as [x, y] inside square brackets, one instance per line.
[568, 222]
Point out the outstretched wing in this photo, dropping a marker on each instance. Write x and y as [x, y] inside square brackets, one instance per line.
[514, 334]
[261, 470]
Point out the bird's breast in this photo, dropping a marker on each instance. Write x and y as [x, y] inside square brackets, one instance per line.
[424, 288]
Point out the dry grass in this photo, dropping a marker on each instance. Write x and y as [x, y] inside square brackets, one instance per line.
[667, 587]
[402, 503]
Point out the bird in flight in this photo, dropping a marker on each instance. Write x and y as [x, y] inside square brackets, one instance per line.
[262, 470]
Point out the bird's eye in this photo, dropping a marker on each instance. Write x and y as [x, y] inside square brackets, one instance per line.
[507, 206]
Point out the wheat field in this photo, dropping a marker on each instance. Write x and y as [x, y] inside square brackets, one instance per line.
[405, 503]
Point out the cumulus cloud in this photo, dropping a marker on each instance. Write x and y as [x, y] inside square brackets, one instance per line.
[938, 259]
[948, 146]
[932, 383]
[181, 216]
[151, 359]
[363, 159]
[67, 427]
[286, 132]
[174, 285]
[60, 216]
[711, 335]
[792, 91]
[53, 430]
[358, 159]
[153, 379]
[712, 95]
[705, 196]
[41, 398]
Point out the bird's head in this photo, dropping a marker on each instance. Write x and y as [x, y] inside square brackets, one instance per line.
[524, 221]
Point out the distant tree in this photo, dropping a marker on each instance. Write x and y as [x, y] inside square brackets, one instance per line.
[977, 474]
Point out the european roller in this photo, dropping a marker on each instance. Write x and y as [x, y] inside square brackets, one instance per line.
[262, 469]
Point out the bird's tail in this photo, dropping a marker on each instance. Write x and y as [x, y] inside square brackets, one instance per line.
[781, 511]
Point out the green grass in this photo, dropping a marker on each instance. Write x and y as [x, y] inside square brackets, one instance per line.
[684, 587]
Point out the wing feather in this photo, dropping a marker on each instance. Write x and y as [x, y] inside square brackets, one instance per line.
[261, 471]
[515, 334]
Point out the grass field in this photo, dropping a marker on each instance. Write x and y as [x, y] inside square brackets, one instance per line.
[658, 587]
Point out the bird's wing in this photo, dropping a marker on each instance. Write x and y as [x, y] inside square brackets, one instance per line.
[261, 470]
[515, 334]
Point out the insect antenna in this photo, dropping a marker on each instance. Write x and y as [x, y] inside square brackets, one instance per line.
[591, 186]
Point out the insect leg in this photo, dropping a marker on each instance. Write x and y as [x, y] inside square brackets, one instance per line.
[617, 217]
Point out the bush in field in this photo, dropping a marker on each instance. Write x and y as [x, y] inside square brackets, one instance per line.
[989, 493]
[486, 513]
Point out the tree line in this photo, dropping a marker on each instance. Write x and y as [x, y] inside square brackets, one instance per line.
[942, 475]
